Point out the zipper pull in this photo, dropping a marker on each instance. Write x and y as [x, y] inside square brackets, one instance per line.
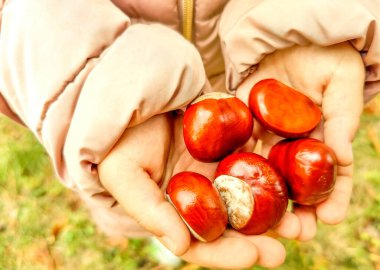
[187, 19]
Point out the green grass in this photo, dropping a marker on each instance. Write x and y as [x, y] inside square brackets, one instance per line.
[44, 226]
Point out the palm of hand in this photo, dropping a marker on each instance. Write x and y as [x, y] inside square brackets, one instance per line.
[157, 146]
[333, 77]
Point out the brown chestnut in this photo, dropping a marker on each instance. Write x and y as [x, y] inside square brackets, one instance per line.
[215, 125]
[199, 205]
[283, 110]
[309, 168]
[254, 193]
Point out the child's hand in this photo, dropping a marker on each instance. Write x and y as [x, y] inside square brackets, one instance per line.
[334, 78]
[135, 172]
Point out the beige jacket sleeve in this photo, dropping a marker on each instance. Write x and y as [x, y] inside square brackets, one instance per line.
[249, 30]
[77, 73]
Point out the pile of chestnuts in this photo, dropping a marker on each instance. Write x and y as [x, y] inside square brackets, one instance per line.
[250, 192]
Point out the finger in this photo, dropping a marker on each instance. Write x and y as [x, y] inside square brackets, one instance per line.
[308, 222]
[289, 227]
[342, 106]
[269, 140]
[317, 133]
[271, 253]
[334, 209]
[245, 87]
[264, 139]
[142, 200]
[339, 133]
[225, 252]
[249, 146]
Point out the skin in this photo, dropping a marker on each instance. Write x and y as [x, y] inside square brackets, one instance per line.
[149, 154]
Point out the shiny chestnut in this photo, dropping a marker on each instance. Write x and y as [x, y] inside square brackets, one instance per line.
[254, 193]
[199, 204]
[283, 110]
[215, 125]
[309, 168]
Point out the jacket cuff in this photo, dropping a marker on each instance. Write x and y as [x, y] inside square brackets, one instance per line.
[249, 31]
[148, 70]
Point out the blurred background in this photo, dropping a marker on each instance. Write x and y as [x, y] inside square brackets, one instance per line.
[44, 226]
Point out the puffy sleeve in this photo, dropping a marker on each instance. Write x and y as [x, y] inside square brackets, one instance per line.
[77, 73]
[249, 30]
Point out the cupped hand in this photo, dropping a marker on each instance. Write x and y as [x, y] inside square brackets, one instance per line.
[333, 77]
[136, 172]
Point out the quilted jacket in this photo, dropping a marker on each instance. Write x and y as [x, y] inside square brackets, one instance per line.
[78, 73]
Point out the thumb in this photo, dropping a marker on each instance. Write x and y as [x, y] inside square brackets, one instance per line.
[343, 104]
[143, 201]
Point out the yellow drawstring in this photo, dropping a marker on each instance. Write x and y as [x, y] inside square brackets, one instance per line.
[187, 19]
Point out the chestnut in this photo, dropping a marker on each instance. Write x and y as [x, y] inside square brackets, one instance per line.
[255, 194]
[282, 109]
[308, 166]
[199, 204]
[215, 125]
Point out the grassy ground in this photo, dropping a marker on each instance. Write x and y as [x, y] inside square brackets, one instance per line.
[43, 226]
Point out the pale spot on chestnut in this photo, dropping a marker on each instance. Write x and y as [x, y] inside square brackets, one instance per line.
[237, 197]
[212, 95]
